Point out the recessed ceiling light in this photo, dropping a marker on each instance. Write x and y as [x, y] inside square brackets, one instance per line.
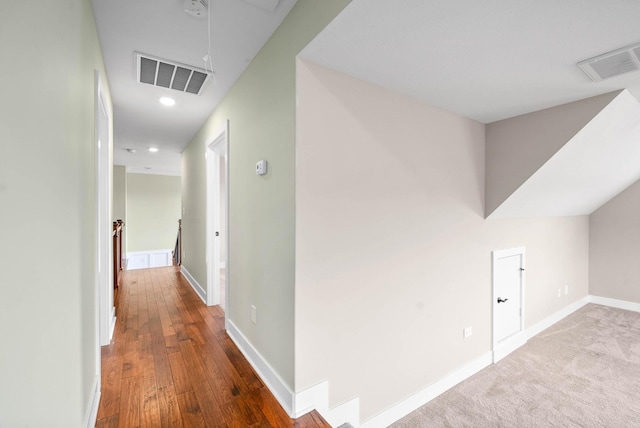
[166, 101]
[153, 149]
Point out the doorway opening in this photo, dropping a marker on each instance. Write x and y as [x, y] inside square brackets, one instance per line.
[508, 301]
[217, 154]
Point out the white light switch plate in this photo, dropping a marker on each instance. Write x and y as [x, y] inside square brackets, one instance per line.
[261, 167]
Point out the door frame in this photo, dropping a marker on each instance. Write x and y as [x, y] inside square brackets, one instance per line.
[104, 230]
[217, 146]
[504, 347]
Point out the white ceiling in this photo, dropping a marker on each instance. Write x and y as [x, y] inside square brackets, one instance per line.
[486, 60]
[161, 28]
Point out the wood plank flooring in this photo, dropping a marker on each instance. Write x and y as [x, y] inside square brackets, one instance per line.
[171, 364]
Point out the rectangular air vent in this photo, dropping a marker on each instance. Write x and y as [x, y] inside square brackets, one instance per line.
[612, 63]
[170, 74]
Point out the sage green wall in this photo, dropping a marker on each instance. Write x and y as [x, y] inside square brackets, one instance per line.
[119, 207]
[153, 211]
[49, 358]
[261, 111]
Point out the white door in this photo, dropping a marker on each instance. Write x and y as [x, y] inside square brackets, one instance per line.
[508, 300]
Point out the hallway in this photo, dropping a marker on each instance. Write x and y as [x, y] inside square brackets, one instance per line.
[171, 364]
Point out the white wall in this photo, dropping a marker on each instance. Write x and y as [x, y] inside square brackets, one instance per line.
[48, 362]
[393, 255]
[153, 211]
[517, 147]
[614, 247]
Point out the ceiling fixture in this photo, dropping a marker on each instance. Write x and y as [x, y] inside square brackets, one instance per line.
[166, 101]
[612, 63]
[153, 149]
[197, 8]
[171, 74]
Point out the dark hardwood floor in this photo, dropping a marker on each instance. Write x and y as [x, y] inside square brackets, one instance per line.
[171, 364]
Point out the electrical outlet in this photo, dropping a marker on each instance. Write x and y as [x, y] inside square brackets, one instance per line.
[253, 314]
[467, 332]
[559, 292]
[566, 289]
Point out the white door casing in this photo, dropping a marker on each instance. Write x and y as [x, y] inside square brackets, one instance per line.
[508, 301]
[104, 229]
[217, 154]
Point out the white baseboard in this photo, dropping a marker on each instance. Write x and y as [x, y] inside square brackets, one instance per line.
[317, 397]
[419, 399]
[269, 376]
[92, 412]
[348, 412]
[508, 345]
[314, 398]
[615, 303]
[551, 320]
[149, 259]
[112, 323]
[201, 292]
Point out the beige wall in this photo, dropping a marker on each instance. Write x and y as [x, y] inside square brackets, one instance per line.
[519, 146]
[153, 211]
[261, 112]
[48, 362]
[119, 207]
[393, 255]
[614, 247]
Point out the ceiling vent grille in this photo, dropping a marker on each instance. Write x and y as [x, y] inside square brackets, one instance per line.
[612, 63]
[171, 74]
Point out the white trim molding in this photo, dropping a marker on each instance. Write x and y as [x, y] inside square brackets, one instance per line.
[269, 376]
[615, 303]
[91, 416]
[419, 399]
[149, 259]
[194, 284]
[217, 151]
[317, 398]
[112, 327]
[554, 318]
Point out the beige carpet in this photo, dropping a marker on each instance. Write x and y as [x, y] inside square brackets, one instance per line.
[583, 371]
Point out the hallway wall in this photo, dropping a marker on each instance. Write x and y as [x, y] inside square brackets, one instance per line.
[261, 111]
[393, 254]
[153, 211]
[119, 207]
[49, 360]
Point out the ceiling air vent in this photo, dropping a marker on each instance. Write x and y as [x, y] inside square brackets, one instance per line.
[612, 63]
[171, 74]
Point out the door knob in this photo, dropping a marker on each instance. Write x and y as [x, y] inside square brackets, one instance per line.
[501, 300]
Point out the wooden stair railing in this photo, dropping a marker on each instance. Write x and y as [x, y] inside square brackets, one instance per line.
[177, 250]
[118, 261]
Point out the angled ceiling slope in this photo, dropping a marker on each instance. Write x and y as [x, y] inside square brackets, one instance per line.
[596, 163]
